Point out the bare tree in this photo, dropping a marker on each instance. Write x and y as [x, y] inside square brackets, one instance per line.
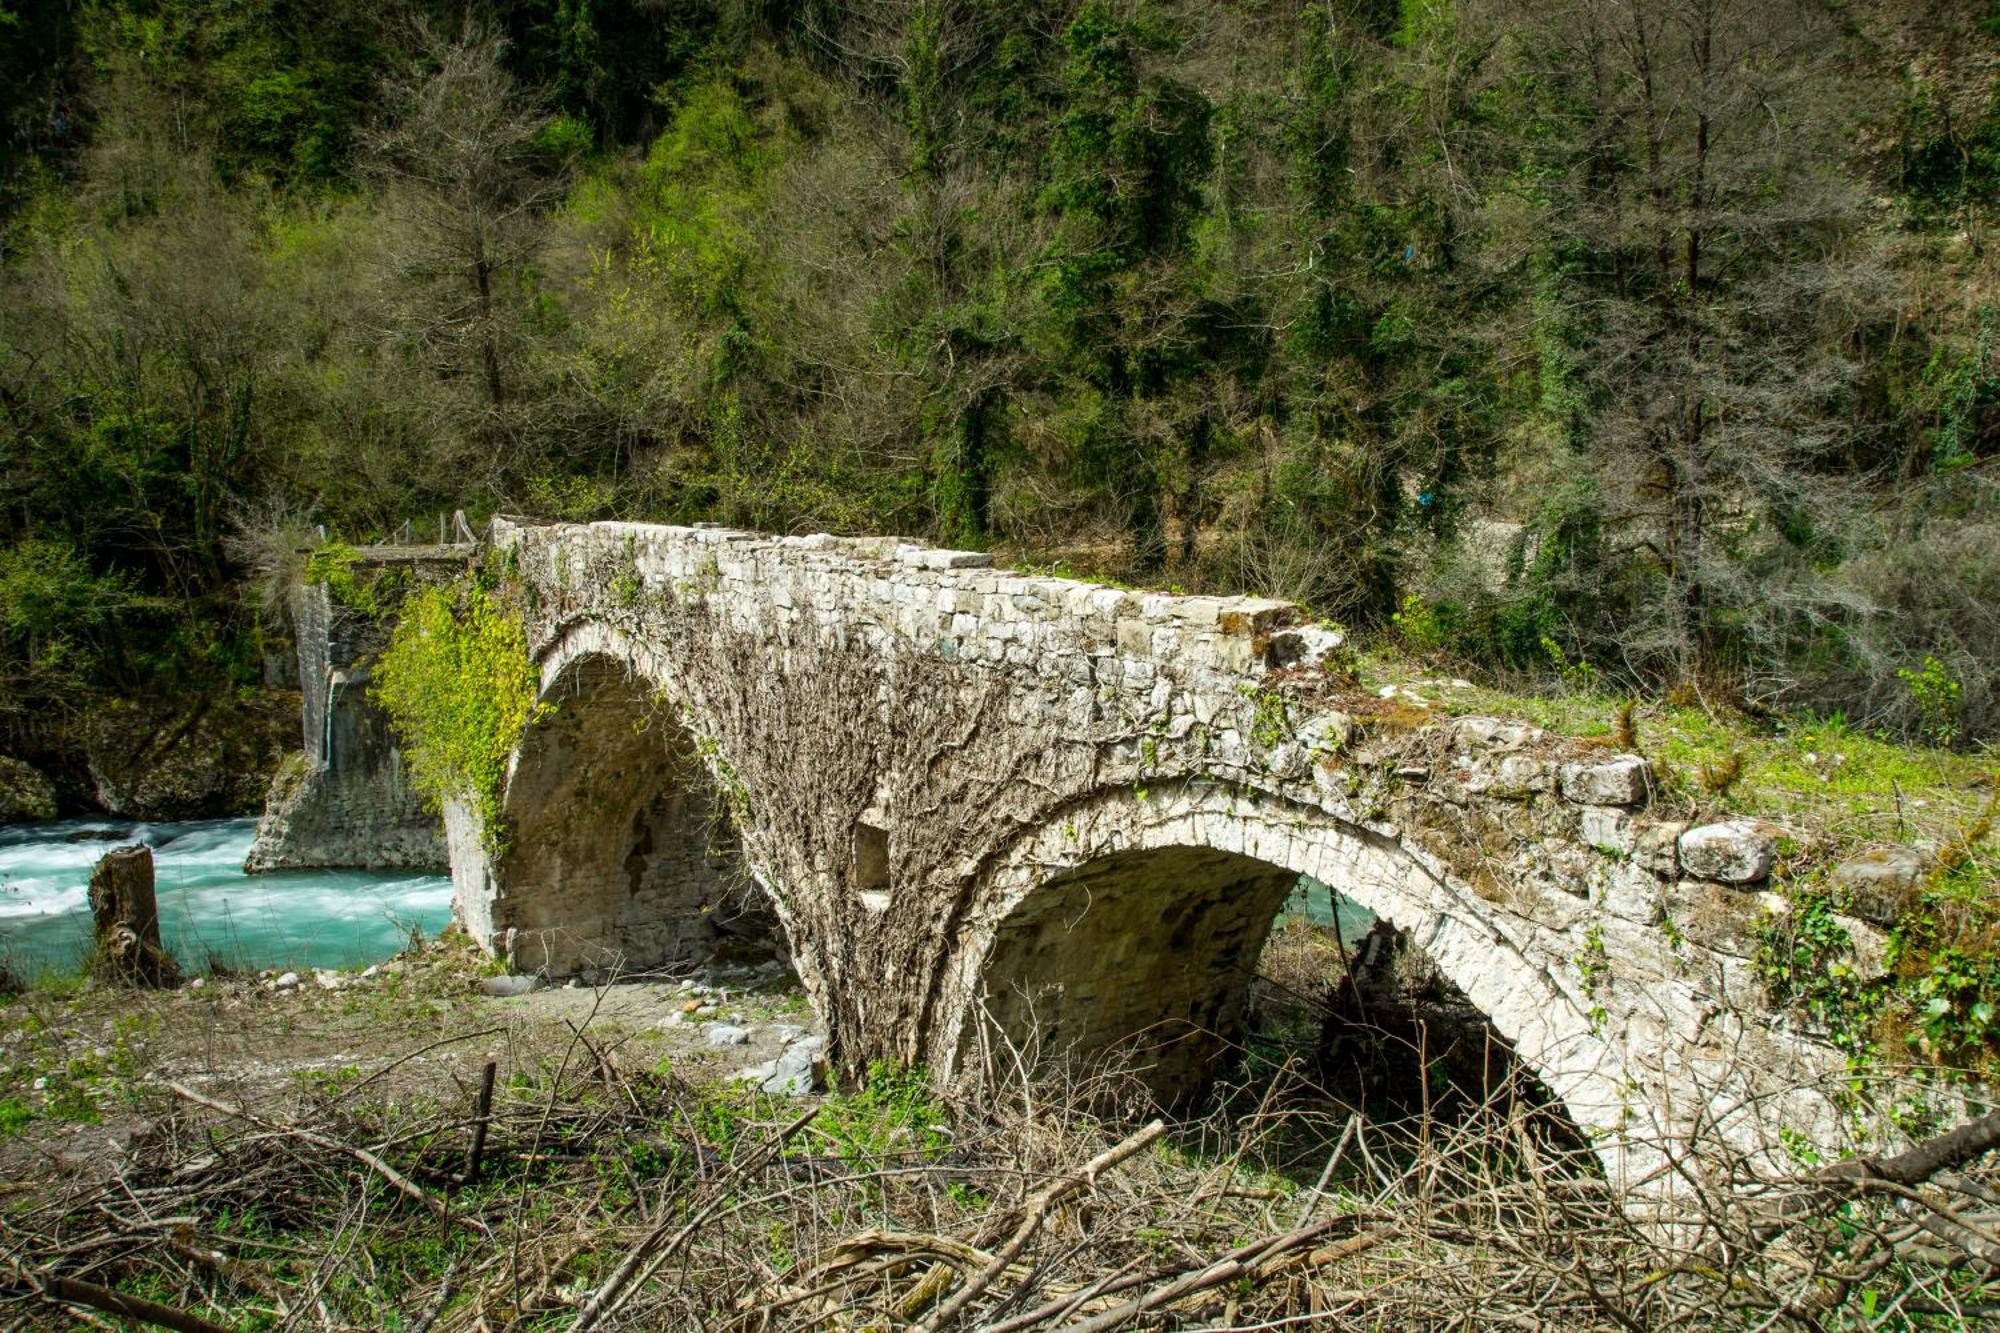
[1716, 258]
[468, 174]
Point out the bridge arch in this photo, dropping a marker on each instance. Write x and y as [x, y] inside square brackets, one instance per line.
[622, 851]
[1143, 912]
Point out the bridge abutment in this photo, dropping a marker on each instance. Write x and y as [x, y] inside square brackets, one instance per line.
[346, 799]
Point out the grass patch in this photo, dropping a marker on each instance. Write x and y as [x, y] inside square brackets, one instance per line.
[1821, 773]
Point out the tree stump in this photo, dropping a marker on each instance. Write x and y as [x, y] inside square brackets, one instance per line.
[126, 920]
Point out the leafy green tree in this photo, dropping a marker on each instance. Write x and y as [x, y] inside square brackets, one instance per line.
[1127, 164]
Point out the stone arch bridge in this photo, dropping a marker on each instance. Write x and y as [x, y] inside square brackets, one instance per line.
[997, 811]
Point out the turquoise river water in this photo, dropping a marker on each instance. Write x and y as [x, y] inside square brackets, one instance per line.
[209, 909]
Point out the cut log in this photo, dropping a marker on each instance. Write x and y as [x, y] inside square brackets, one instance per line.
[125, 916]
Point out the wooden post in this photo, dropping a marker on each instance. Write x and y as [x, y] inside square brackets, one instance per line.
[126, 919]
[482, 1114]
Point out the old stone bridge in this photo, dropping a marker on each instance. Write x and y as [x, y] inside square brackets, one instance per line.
[1001, 815]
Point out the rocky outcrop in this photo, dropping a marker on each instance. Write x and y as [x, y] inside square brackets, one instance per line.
[26, 794]
[153, 761]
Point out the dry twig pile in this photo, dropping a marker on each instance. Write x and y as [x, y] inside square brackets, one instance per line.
[590, 1196]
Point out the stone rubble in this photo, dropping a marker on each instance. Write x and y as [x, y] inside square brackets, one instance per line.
[510, 985]
[793, 1073]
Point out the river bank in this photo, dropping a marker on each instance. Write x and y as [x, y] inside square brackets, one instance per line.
[332, 1152]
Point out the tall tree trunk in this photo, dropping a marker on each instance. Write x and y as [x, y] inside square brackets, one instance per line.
[489, 352]
[1187, 504]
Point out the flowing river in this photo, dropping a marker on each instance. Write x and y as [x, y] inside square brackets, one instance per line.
[210, 911]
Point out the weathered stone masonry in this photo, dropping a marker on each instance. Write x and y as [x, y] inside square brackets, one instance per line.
[997, 809]
[345, 799]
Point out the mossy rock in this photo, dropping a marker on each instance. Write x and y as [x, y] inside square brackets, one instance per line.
[165, 762]
[26, 795]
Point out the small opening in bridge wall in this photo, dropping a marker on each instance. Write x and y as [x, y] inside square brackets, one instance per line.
[868, 870]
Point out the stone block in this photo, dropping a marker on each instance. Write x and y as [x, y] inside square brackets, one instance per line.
[1203, 612]
[1251, 615]
[1735, 851]
[1306, 646]
[1870, 961]
[1493, 733]
[1624, 890]
[1879, 885]
[957, 560]
[1232, 654]
[1607, 828]
[1620, 781]
[1510, 777]
[1712, 917]
[1656, 846]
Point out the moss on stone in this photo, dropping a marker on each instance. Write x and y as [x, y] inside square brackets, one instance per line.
[26, 795]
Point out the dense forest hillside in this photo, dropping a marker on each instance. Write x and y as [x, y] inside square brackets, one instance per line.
[1645, 343]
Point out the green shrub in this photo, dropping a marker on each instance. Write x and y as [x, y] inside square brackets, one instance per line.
[893, 1113]
[333, 566]
[1938, 696]
[458, 684]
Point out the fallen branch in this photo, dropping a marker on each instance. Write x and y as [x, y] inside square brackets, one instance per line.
[1035, 1211]
[397, 1180]
[655, 1245]
[1245, 1261]
[70, 1291]
[1836, 1184]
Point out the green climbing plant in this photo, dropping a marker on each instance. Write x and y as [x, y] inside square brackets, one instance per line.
[460, 689]
[1593, 964]
[1805, 958]
[333, 565]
